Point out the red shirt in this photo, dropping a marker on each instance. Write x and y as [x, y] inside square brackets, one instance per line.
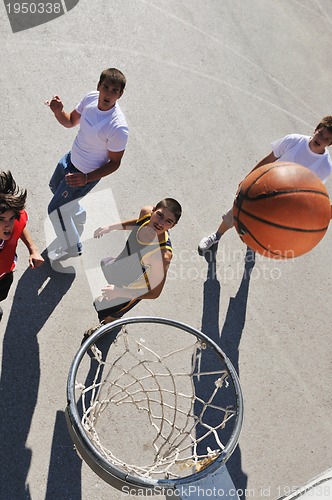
[8, 247]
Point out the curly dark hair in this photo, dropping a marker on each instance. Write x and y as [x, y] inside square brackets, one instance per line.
[11, 196]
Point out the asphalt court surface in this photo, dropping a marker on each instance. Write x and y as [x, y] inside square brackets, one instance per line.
[210, 85]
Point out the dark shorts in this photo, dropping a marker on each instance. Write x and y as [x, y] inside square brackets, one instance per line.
[114, 308]
[5, 284]
[105, 308]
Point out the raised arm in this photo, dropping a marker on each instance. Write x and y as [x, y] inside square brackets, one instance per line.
[118, 226]
[127, 224]
[66, 119]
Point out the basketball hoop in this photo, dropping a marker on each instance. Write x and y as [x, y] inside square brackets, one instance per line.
[171, 384]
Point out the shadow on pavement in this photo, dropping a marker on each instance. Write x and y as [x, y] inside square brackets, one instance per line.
[64, 478]
[37, 294]
[231, 333]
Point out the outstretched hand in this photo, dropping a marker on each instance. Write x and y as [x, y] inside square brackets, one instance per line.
[101, 231]
[109, 292]
[35, 260]
[55, 104]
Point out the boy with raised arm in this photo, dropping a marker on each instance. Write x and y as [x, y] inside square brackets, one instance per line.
[97, 151]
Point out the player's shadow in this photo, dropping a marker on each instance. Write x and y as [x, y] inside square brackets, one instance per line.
[64, 478]
[37, 294]
[230, 336]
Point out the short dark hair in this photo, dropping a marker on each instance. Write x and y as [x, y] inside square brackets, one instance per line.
[325, 122]
[113, 75]
[172, 205]
[11, 196]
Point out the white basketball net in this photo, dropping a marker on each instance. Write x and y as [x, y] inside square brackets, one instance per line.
[177, 408]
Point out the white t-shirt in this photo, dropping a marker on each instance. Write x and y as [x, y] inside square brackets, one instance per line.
[99, 132]
[295, 148]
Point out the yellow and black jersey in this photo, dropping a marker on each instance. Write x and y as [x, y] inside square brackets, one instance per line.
[130, 268]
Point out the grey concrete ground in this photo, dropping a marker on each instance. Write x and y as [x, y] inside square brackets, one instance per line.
[210, 84]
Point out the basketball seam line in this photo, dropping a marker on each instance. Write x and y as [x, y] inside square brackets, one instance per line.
[280, 226]
[272, 195]
[264, 248]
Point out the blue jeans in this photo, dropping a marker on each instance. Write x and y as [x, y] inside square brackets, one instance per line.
[65, 212]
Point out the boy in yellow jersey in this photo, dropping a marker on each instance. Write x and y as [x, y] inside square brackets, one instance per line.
[139, 271]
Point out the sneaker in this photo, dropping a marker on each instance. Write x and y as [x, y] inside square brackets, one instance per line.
[60, 254]
[208, 242]
[90, 331]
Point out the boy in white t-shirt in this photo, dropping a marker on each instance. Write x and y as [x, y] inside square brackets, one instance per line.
[308, 151]
[97, 151]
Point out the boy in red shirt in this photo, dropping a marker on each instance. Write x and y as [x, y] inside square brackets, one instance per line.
[13, 219]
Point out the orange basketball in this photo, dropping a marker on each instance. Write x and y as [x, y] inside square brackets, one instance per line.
[281, 210]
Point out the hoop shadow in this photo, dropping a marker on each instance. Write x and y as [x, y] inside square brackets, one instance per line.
[228, 340]
[37, 294]
[64, 480]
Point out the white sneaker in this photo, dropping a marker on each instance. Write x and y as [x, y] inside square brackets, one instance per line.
[60, 254]
[208, 242]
